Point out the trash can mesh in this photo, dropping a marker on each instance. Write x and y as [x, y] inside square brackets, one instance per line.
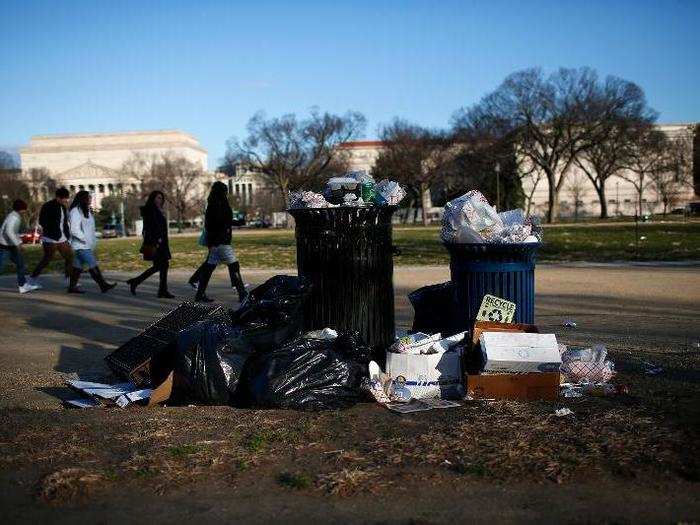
[347, 254]
[503, 270]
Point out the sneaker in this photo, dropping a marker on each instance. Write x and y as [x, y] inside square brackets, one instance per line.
[27, 287]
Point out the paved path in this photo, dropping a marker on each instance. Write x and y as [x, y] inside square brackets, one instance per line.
[49, 333]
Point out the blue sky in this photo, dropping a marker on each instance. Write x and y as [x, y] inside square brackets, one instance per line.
[207, 66]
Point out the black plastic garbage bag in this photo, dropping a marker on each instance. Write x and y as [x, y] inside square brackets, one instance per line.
[309, 374]
[434, 309]
[273, 312]
[210, 359]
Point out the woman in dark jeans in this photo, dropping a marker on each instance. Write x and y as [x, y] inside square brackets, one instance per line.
[155, 245]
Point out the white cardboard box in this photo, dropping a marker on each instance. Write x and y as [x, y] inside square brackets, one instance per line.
[520, 352]
[428, 375]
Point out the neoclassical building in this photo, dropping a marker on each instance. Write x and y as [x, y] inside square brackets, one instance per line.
[92, 161]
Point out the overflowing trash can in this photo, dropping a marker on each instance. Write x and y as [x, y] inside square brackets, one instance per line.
[347, 255]
[503, 270]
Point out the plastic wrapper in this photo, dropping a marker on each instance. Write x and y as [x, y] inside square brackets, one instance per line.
[389, 193]
[273, 312]
[211, 356]
[470, 218]
[310, 374]
[308, 199]
[416, 344]
[580, 364]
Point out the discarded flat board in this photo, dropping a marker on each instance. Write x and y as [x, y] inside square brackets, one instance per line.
[84, 402]
[82, 385]
[496, 309]
[132, 397]
[107, 393]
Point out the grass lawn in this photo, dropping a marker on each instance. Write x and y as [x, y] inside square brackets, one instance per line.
[421, 246]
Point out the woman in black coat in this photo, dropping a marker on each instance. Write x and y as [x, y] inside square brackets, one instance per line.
[218, 220]
[155, 245]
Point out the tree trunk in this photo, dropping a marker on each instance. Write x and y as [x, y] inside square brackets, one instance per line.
[553, 209]
[603, 202]
[426, 202]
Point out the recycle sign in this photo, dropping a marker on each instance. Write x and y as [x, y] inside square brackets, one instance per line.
[496, 309]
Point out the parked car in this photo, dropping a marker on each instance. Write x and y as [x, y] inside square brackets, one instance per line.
[259, 223]
[109, 231]
[692, 209]
[31, 237]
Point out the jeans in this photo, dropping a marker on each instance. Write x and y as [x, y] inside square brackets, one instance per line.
[82, 258]
[222, 254]
[15, 255]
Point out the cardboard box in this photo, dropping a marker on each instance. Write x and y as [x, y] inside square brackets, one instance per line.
[428, 375]
[522, 387]
[520, 352]
[473, 359]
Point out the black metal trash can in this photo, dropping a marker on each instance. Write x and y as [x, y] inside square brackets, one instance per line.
[503, 270]
[347, 254]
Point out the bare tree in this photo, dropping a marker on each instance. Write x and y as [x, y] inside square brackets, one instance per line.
[291, 153]
[674, 177]
[576, 188]
[416, 157]
[41, 188]
[183, 183]
[621, 126]
[181, 180]
[552, 120]
[646, 156]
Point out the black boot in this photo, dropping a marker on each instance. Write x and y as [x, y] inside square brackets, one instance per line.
[193, 281]
[234, 272]
[96, 274]
[204, 277]
[73, 281]
[163, 292]
[133, 283]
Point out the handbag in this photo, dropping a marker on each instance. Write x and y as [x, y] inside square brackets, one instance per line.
[149, 251]
[202, 241]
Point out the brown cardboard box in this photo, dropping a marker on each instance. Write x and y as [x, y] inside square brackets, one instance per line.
[523, 387]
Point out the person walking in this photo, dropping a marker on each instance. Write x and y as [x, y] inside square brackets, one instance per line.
[155, 247]
[55, 233]
[11, 245]
[83, 241]
[218, 221]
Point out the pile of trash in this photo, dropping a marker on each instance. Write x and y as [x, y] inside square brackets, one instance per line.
[471, 219]
[356, 189]
[257, 355]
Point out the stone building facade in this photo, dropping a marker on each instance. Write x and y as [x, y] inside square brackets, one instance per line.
[92, 161]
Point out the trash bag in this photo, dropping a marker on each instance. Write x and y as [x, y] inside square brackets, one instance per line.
[434, 309]
[210, 358]
[273, 312]
[310, 374]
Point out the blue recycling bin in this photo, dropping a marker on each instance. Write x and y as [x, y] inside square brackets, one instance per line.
[503, 270]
